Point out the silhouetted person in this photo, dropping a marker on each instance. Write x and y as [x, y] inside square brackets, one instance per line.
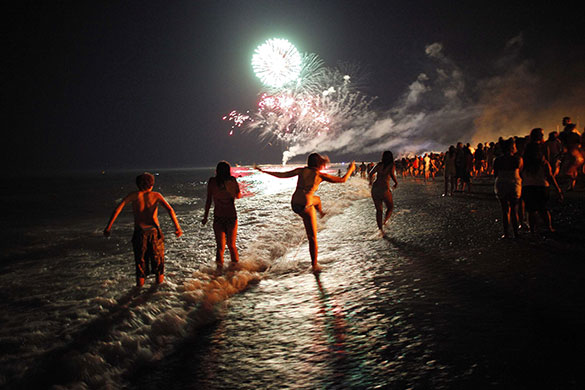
[223, 189]
[573, 156]
[536, 176]
[508, 185]
[479, 160]
[381, 193]
[147, 240]
[363, 169]
[450, 171]
[553, 149]
[304, 202]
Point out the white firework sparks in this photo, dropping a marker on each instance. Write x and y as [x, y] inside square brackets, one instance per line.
[317, 102]
[277, 62]
[325, 106]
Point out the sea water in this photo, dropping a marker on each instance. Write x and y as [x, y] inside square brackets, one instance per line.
[68, 291]
[439, 303]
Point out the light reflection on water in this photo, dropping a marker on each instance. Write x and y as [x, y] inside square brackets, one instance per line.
[271, 322]
[384, 313]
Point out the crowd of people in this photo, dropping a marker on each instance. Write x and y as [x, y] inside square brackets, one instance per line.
[523, 167]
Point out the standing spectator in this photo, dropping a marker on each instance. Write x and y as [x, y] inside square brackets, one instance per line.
[573, 156]
[508, 185]
[450, 172]
[536, 176]
[479, 160]
[553, 149]
[363, 170]
[459, 165]
[415, 164]
[490, 157]
[427, 166]
[468, 156]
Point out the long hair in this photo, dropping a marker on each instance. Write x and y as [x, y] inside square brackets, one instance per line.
[315, 160]
[387, 158]
[222, 172]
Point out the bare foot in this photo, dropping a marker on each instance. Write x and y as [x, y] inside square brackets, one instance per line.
[317, 269]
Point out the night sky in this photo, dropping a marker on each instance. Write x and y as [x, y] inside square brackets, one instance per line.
[144, 84]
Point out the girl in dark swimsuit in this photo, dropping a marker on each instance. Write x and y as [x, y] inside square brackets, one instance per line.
[223, 189]
[381, 194]
[304, 202]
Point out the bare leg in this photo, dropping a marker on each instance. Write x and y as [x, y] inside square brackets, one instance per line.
[532, 221]
[505, 216]
[446, 184]
[514, 217]
[379, 212]
[220, 241]
[521, 214]
[310, 221]
[231, 243]
[389, 206]
[545, 215]
[317, 204]
[572, 180]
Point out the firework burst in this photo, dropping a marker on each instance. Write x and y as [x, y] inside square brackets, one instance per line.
[277, 62]
[316, 102]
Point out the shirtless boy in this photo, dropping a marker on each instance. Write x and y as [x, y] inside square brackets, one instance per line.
[147, 240]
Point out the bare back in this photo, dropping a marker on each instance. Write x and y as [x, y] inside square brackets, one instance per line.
[383, 176]
[145, 208]
[308, 182]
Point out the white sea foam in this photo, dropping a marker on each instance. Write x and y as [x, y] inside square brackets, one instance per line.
[105, 327]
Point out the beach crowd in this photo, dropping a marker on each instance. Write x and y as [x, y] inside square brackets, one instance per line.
[523, 169]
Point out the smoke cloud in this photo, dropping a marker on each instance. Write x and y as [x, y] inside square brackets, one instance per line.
[445, 106]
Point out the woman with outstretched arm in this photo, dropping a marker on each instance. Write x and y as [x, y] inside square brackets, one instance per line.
[304, 202]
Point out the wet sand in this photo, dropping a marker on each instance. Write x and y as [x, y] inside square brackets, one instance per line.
[450, 305]
[514, 307]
